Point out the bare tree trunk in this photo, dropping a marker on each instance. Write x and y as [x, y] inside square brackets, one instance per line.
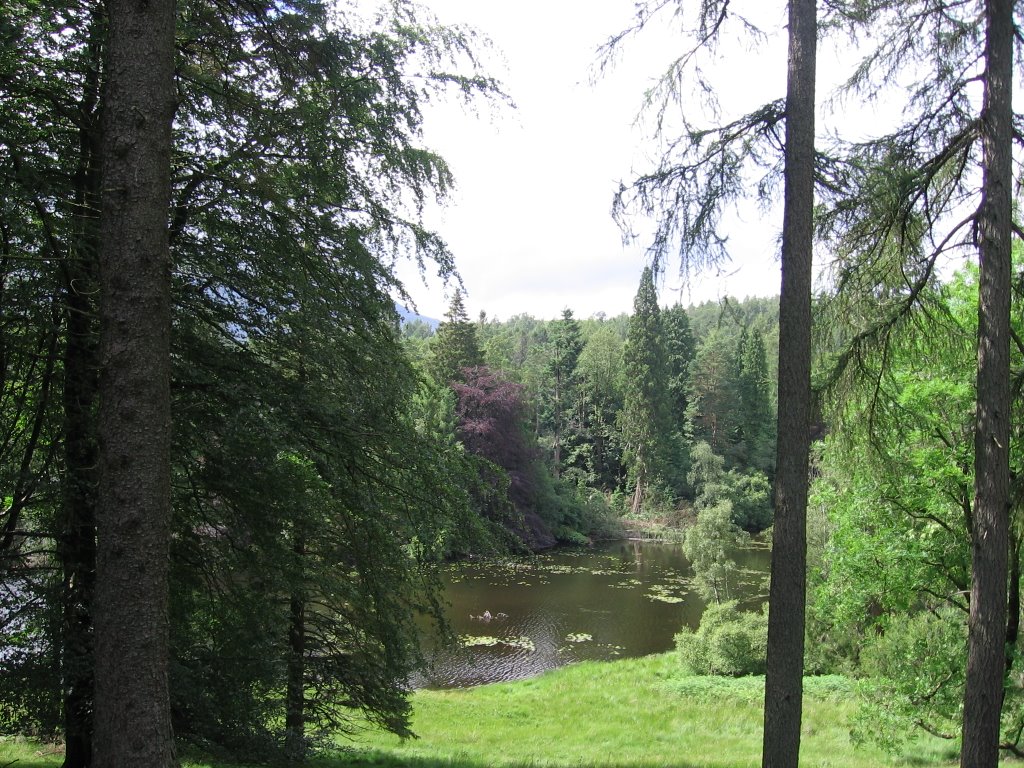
[77, 545]
[986, 659]
[783, 692]
[132, 711]
[295, 695]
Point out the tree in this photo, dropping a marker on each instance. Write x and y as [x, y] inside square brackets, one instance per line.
[132, 704]
[986, 660]
[707, 546]
[565, 347]
[903, 212]
[897, 479]
[783, 688]
[644, 417]
[263, 221]
[680, 348]
[455, 346]
[602, 383]
[491, 413]
[755, 403]
[715, 409]
[696, 177]
[711, 538]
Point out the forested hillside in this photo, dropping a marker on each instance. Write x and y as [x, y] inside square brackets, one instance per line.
[602, 419]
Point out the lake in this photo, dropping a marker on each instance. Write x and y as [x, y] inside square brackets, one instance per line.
[519, 617]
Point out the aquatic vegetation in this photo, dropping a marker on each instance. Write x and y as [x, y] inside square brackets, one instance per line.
[489, 641]
[664, 594]
[578, 637]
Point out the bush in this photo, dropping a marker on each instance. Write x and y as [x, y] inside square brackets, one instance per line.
[727, 642]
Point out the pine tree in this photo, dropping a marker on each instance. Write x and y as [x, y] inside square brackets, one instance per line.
[644, 417]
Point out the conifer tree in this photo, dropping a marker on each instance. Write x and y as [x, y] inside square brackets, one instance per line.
[755, 404]
[714, 410]
[680, 347]
[132, 721]
[455, 346]
[565, 345]
[644, 416]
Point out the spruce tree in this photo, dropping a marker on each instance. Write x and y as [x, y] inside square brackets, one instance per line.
[455, 346]
[644, 416]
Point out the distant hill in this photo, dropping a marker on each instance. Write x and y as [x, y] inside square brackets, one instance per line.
[408, 316]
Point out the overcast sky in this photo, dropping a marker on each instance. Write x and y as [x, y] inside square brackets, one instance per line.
[530, 221]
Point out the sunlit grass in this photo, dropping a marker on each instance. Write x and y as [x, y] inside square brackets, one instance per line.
[633, 713]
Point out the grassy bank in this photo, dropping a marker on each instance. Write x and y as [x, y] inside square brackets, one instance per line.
[634, 713]
[630, 713]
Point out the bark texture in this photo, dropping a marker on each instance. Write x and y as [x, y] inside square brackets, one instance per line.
[986, 659]
[784, 679]
[132, 709]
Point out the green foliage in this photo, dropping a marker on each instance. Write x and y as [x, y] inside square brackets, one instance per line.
[892, 560]
[644, 417]
[728, 642]
[708, 545]
[454, 346]
[748, 494]
[300, 475]
[601, 386]
[757, 428]
[913, 671]
[714, 410]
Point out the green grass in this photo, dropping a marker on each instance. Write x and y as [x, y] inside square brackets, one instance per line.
[633, 713]
[636, 713]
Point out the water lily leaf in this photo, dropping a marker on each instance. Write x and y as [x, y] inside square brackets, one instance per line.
[578, 637]
[488, 641]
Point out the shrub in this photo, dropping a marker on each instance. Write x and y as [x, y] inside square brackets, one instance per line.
[727, 642]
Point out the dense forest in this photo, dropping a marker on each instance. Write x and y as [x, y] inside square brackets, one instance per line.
[228, 471]
[604, 421]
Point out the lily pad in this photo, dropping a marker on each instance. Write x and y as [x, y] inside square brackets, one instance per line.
[488, 641]
[663, 594]
[578, 637]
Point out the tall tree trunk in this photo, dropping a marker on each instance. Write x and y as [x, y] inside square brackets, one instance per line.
[77, 543]
[295, 694]
[132, 710]
[783, 691]
[76, 547]
[986, 660]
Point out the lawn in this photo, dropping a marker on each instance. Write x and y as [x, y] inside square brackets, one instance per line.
[633, 713]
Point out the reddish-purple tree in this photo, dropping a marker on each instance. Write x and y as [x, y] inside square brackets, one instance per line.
[491, 424]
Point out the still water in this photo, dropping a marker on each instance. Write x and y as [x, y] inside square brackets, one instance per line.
[519, 617]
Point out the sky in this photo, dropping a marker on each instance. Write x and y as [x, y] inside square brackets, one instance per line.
[530, 220]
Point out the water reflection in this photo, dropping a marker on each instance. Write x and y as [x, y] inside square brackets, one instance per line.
[521, 617]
